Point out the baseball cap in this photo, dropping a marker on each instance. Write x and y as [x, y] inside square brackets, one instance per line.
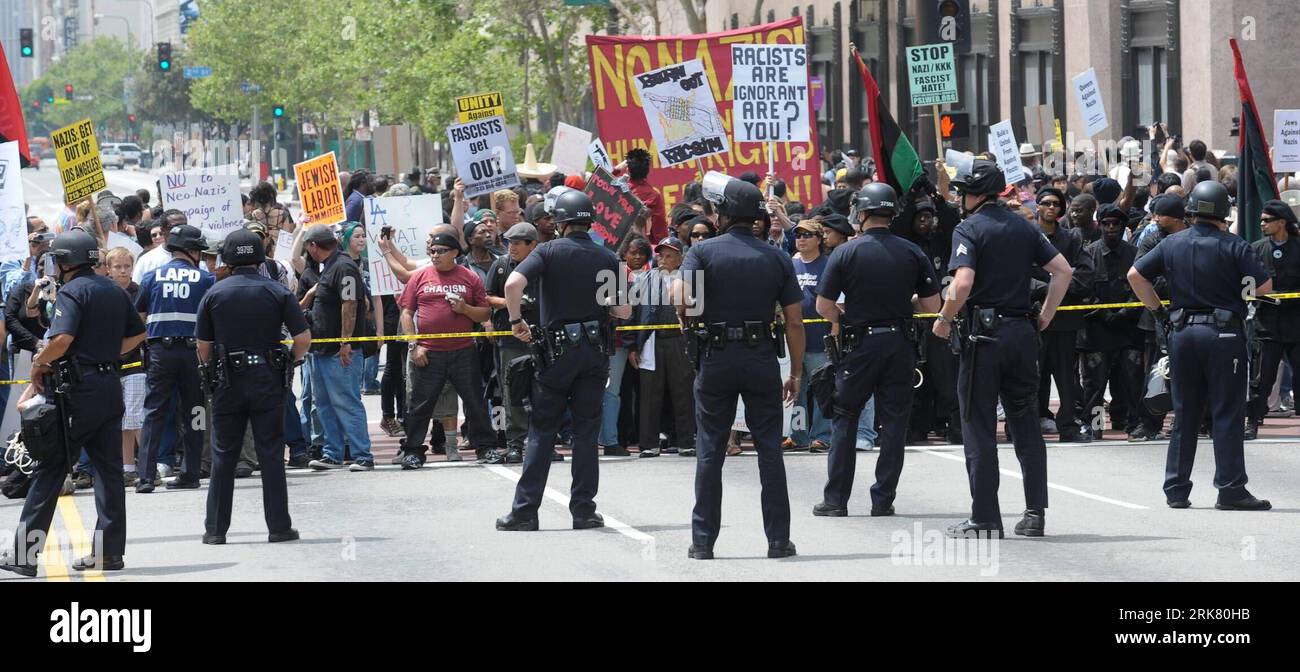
[321, 235]
[811, 227]
[256, 227]
[1169, 205]
[522, 231]
[669, 242]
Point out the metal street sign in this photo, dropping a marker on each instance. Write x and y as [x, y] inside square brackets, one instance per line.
[250, 88]
[197, 72]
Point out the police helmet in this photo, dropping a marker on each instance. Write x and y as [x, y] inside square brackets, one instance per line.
[734, 198]
[1209, 199]
[548, 203]
[878, 198]
[242, 248]
[573, 207]
[75, 249]
[186, 238]
[983, 178]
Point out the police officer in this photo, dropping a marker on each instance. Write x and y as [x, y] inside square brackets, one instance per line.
[1206, 267]
[993, 251]
[94, 324]
[169, 298]
[238, 333]
[741, 282]
[1279, 324]
[878, 273]
[573, 275]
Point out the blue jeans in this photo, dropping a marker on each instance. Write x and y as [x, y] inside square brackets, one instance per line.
[867, 425]
[293, 436]
[371, 378]
[336, 391]
[309, 419]
[816, 426]
[610, 407]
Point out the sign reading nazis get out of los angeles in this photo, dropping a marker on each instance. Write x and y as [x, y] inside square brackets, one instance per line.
[77, 151]
[480, 106]
[483, 157]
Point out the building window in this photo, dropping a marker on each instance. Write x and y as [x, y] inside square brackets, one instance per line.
[1038, 61]
[1150, 64]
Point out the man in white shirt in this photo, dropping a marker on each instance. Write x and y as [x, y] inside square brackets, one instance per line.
[159, 256]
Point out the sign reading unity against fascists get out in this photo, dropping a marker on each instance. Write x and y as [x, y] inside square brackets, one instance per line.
[483, 157]
[209, 198]
[480, 106]
[408, 220]
[769, 90]
[77, 151]
[681, 112]
[615, 62]
[614, 208]
[1089, 95]
[933, 74]
[319, 190]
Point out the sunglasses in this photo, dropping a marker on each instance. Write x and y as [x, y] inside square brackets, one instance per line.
[803, 235]
[1049, 204]
[438, 251]
[1270, 220]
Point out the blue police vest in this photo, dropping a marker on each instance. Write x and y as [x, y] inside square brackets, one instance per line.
[171, 295]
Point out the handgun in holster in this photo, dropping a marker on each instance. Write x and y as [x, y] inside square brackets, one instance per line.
[539, 348]
[704, 341]
[832, 347]
[280, 360]
[778, 333]
[916, 334]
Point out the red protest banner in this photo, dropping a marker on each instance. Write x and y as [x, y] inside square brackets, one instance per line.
[615, 61]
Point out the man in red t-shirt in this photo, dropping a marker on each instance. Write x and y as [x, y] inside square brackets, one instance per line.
[638, 170]
[444, 298]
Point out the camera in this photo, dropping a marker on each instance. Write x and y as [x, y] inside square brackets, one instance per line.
[43, 237]
[386, 233]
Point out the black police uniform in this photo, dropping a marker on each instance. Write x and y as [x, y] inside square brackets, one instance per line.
[1111, 343]
[569, 273]
[241, 316]
[1279, 324]
[744, 280]
[98, 315]
[878, 273]
[1208, 355]
[1001, 246]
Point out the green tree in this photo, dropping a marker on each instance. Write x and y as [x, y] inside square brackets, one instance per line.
[97, 71]
[164, 97]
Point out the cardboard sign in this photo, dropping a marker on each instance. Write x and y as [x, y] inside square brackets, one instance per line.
[933, 74]
[410, 219]
[1089, 96]
[599, 157]
[570, 151]
[77, 151]
[1286, 141]
[769, 90]
[483, 157]
[319, 190]
[393, 150]
[209, 198]
[13, 218]
[614, 208]
[682, 113]
[480, 106]
[1038, 125]
[1002, 142]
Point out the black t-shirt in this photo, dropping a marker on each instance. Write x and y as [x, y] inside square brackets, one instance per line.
[245, 312]
[1205, 268]
[25, 331]
[1001, 247]
[573, 275]
[496, 286]
[340, 280]
[98, 315]
[878, 273]
[136, 356]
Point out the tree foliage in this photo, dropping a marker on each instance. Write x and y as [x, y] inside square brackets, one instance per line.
[96, 70]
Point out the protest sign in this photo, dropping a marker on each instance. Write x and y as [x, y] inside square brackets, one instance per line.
[1039, 128]
[599, 156]
[319, 190]
[1002, 142]
[283, 246]
[393, 150]
[569, 153]
[769, 89]
[933, 74]
[480, 106]
[209, 198]
[614, 209]
[1090, 104]
[1286, 141]
[13, 217]
[614, 62]
[483, 157]
[407, 220]
[77, 152]
[681, 112]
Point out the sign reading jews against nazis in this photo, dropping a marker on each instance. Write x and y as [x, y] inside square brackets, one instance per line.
[480, 106]
[483, 157]
[319, 190]
[682, 115]
[614, 208]
[615, 61]
[77, 152]
[933, 74]
[769, 91]
[1286, 141]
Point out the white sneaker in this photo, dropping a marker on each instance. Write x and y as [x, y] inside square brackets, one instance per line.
[864, 446]
[453, 454]
[1002, 414]
[164, 471]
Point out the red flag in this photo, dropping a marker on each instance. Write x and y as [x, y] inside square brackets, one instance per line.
[12, 126]
[896, 161]
[1256, 183]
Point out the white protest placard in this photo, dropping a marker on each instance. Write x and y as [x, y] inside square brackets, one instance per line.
[13, 218]
[769, 90]
[1286, 141]
[209, 197]
[599, 156]
[681, 113]
[1002, 142]
[570, 151]
[483, 156]
[117, 239]
[932, 72]
[1089, 95]
[408, 221]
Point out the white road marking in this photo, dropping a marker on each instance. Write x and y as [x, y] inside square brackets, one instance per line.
[610, 521]
[1062, 488]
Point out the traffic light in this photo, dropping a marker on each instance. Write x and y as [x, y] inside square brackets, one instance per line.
[130, 118]
[953, 125]
[25, 39]
[36, 104]
[165, 56]
[277, 111]
[67, 90]
[49, 100]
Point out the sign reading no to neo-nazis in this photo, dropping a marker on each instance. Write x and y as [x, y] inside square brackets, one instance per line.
[933, 74]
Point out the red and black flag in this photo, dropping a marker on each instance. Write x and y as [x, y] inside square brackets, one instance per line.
[896, 161]
[12, 126]
[1255, 182]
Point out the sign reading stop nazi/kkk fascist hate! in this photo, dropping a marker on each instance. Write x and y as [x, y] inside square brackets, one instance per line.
[769, 91]
[483, 157]
[209, 198]
[681, 112]
[614, 209]
[933, 74]
[77, 151]
[480, 106]
[1089, 95]
[319, 190]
